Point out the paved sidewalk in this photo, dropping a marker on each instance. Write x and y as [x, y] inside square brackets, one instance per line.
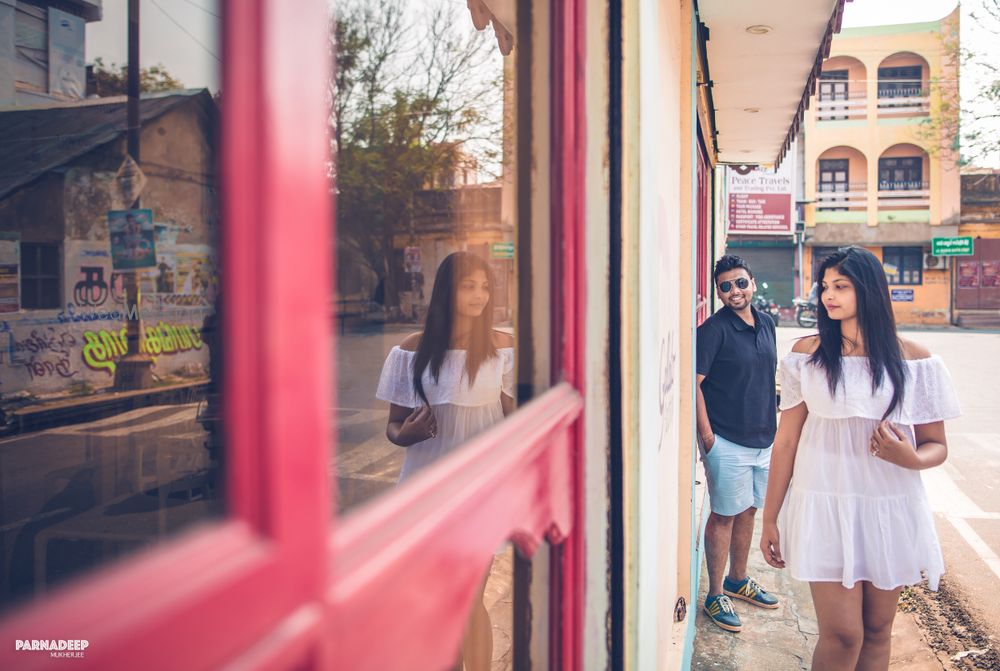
[783, 639]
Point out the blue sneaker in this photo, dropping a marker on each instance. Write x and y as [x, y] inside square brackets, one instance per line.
[748, 590]
[720, 611]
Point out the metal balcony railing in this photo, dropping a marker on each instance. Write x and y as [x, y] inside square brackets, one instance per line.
[899, 98]
[914, 90]
[904, 194]
[893, 185]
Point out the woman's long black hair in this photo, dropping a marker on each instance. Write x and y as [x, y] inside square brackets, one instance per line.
[436, 337]
[875, 322]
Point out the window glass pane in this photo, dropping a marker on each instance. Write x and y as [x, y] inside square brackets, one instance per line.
[432, 240]
[48, 260]
[424, 107]
[48, 288]
[29, 259]
[108, 286]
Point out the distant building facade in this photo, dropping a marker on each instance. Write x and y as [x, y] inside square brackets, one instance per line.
[881, 166]
[42, 50]
[977, 277]
[62, 300]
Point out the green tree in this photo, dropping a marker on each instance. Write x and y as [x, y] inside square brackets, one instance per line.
[112, 80]
[411, 97]
[980, 139]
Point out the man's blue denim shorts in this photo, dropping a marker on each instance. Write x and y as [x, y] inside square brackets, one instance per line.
[737, 476]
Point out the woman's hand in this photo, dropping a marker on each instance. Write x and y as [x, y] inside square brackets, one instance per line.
[418, 426]
[770, 545]
[890, 443]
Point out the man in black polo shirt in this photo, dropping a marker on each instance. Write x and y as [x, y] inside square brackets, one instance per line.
[737, 420]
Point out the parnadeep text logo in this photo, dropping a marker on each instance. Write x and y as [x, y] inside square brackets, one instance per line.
[73, 647]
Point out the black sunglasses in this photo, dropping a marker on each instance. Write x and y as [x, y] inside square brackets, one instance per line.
[727, 286]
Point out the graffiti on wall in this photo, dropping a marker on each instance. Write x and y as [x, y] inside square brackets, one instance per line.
[668, 376]
[92, 290]
[102, 348]
[42, 353]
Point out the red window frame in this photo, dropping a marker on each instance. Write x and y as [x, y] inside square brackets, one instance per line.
[703, 251]
[277, 583]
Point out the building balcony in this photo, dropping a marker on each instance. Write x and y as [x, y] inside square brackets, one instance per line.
[910, 195]
[903, 101]
[841, 216]
[842, 108]
[842, 196]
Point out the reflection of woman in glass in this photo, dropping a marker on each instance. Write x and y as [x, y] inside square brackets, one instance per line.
[448, 383]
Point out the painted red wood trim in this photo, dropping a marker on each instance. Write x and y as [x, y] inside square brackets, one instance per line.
[199, 601]
[405, 569]
[703, 205]
[569, 150]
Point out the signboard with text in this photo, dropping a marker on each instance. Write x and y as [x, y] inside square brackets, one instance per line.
[962, 246]
[502, 250]
[901, 295]
[67, 68]
[759, 200]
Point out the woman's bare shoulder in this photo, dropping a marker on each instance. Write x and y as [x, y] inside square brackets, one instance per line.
[411, 342]
[913, 350]
[806, 345]
[501, 339]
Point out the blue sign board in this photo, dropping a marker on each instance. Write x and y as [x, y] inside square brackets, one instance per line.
[901, 295]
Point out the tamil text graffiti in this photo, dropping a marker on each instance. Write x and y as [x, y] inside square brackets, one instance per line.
[92, 290]
[48, 367]
[71, 315]
[102, 348]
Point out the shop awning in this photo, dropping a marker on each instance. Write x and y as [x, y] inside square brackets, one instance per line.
[764, 57]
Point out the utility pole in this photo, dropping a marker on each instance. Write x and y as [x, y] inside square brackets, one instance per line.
[134, 370]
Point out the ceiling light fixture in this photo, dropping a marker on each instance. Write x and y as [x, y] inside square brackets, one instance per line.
[759, 29]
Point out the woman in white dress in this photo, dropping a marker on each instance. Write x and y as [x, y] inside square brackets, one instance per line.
[448, 383]
[862, 413]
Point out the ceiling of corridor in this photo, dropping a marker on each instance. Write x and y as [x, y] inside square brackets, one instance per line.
[761, 57]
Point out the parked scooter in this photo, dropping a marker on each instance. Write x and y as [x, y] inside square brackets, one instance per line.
[764, 304]
[805, 312]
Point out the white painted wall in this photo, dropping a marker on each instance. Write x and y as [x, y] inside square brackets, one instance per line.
[596, 445]
[660, 155]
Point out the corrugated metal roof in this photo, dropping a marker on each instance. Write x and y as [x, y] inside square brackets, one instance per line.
[34, 140]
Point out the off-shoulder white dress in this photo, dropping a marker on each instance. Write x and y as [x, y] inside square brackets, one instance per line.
[849, 515]
[461, 410]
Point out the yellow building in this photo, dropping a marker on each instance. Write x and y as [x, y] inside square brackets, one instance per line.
[881, 161]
